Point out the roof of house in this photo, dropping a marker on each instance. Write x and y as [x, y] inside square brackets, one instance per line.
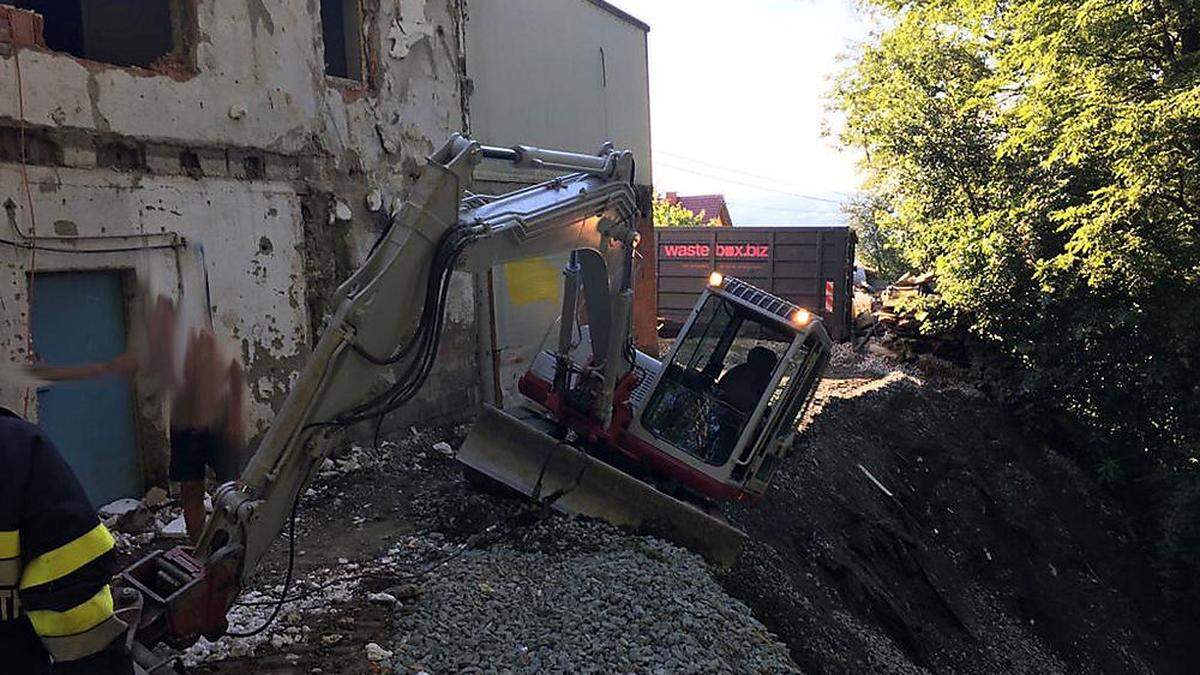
[713, 206]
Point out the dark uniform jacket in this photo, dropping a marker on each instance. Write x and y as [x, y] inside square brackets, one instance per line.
[56, 559]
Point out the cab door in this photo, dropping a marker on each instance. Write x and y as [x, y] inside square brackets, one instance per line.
[797, 382]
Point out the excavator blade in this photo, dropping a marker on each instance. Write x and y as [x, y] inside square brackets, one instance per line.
[514, 452]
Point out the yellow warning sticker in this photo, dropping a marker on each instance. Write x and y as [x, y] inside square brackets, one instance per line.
[531, 281]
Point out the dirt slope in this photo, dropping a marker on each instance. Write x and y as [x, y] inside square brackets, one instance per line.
[993, 554]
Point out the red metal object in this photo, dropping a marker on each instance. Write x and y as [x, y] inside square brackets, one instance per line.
[184, 597]
[616, 437]
[793, 263]
[829, 287]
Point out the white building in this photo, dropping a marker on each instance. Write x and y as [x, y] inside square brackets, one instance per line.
[224, 152]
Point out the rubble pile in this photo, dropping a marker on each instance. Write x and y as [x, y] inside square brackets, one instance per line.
[334, 591]
[569, 595]
[135, 523]
[399, 567]
[892, 313]
[896, 327]
[916, 528]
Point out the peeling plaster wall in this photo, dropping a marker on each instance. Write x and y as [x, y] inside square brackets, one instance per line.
[273, 144]
[255, 274]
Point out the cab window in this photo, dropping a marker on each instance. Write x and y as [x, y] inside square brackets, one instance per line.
[715, 380]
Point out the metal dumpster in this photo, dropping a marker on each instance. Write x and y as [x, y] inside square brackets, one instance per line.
[810, 265]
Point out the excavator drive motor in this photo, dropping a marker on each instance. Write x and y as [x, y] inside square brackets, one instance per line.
[516, 452]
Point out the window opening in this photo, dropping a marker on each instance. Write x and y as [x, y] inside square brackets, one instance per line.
[341, 29]
[121, 32]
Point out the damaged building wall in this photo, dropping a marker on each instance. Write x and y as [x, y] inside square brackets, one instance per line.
[233, 171]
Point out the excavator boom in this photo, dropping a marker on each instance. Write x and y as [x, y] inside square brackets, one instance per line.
[388, 316]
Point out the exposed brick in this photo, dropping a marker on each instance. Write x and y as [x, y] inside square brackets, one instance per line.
[21, 27]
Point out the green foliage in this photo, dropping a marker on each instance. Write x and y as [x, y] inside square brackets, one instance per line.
[667, 214]
[1109, 471]
[880, 240]
[1043, 158]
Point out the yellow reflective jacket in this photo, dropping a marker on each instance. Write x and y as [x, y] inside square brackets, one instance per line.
[56, 560]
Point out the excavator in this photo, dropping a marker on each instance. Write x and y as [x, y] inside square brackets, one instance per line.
[601, 429]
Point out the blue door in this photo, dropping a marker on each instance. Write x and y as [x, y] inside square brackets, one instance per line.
[79, 317]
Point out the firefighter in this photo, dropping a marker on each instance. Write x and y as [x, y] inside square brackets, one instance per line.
[56, 559]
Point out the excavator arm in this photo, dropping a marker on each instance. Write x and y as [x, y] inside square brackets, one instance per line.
[388, 320]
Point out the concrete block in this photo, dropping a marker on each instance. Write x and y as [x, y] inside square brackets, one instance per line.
[213, 162]
[282, 167]
[163, 160]
[122, 155]
[311, 167]
[78, 152]
[247, 164]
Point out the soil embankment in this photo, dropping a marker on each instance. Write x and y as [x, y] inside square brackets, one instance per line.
[916, 528]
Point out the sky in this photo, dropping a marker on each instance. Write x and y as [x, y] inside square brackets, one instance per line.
[738, 102]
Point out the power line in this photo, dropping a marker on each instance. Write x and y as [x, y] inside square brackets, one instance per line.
[720, 167]
[747, 184]
[740, 173]
[782, 209]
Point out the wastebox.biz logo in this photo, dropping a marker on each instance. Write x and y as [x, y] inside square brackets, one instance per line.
[726, 251]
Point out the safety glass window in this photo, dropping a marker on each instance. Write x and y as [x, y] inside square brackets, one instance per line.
[715, 380]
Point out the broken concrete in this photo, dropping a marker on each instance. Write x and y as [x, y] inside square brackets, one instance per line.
[118, 508]
[175, 529]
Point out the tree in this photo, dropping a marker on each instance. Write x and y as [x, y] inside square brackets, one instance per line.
[879, 240]
[1044, 159]
[669, 214]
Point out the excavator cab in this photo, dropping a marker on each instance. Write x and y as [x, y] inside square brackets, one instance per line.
[729, 395]
[713, 381]
[707, 424]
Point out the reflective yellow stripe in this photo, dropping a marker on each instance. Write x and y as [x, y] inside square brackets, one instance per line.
[67, 558]
[82, 617]
[74, 647]
[10, 543]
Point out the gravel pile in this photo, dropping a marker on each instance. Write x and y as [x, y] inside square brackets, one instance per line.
[573, 596]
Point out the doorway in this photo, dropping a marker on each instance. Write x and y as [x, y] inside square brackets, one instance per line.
[77, 318]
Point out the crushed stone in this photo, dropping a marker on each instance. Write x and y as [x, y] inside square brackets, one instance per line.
[569, 595]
